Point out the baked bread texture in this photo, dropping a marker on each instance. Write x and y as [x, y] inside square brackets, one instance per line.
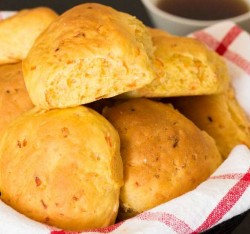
[183, 67]
[14, 98]
[18, 33]
[164, 154]
[220, 116]
[62, 167]
[91, 52]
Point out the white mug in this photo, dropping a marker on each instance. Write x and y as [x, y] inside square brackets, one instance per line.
[183, 26]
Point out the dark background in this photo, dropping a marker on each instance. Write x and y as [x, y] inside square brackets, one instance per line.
[133, 7]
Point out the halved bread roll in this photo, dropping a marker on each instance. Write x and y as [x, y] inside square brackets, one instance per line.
[90, 52]
[183, 67]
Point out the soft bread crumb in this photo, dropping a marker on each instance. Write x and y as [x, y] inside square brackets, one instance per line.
[91, 52]
[183, 67]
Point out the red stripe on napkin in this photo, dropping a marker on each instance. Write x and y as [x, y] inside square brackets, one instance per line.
[208, 39]
[107, 229]
[238, 60]
[170, 220]
[63, 232]
[233, 57]
[232, 34]
[99, 230]
[234, 176]
[226, 203]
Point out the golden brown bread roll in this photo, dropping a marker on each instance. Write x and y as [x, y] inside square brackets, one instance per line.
[183, 66]
[18, 33]
[14, 98]
[220, 116]
[62, 167]
[164, 154]
[91, 52]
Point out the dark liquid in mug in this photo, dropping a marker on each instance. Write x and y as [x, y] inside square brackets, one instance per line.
[204, 9]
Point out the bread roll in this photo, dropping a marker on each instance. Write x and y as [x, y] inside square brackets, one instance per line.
[164, 154]
[18, 33]
[62, 167]
[91, 52]
[220, 116]
[183, 67]
[14, 98]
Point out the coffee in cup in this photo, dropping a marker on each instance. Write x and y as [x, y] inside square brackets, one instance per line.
[181, 17]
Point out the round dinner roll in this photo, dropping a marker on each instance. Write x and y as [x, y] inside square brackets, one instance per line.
[164, 154]
[62, 167]
[220, 116]
[18, 33]
[183, 67]
[14, 98]
[90, 52]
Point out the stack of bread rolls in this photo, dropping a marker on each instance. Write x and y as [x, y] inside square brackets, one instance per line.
[90, 134]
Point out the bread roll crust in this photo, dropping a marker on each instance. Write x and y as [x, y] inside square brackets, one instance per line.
[220, 116]
[164, 154]
[183, 67]
[91, 52]
[14, 98]
[18, 33]
[62, 167]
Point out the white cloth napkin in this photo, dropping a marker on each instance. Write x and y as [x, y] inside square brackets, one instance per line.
[224, 195]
